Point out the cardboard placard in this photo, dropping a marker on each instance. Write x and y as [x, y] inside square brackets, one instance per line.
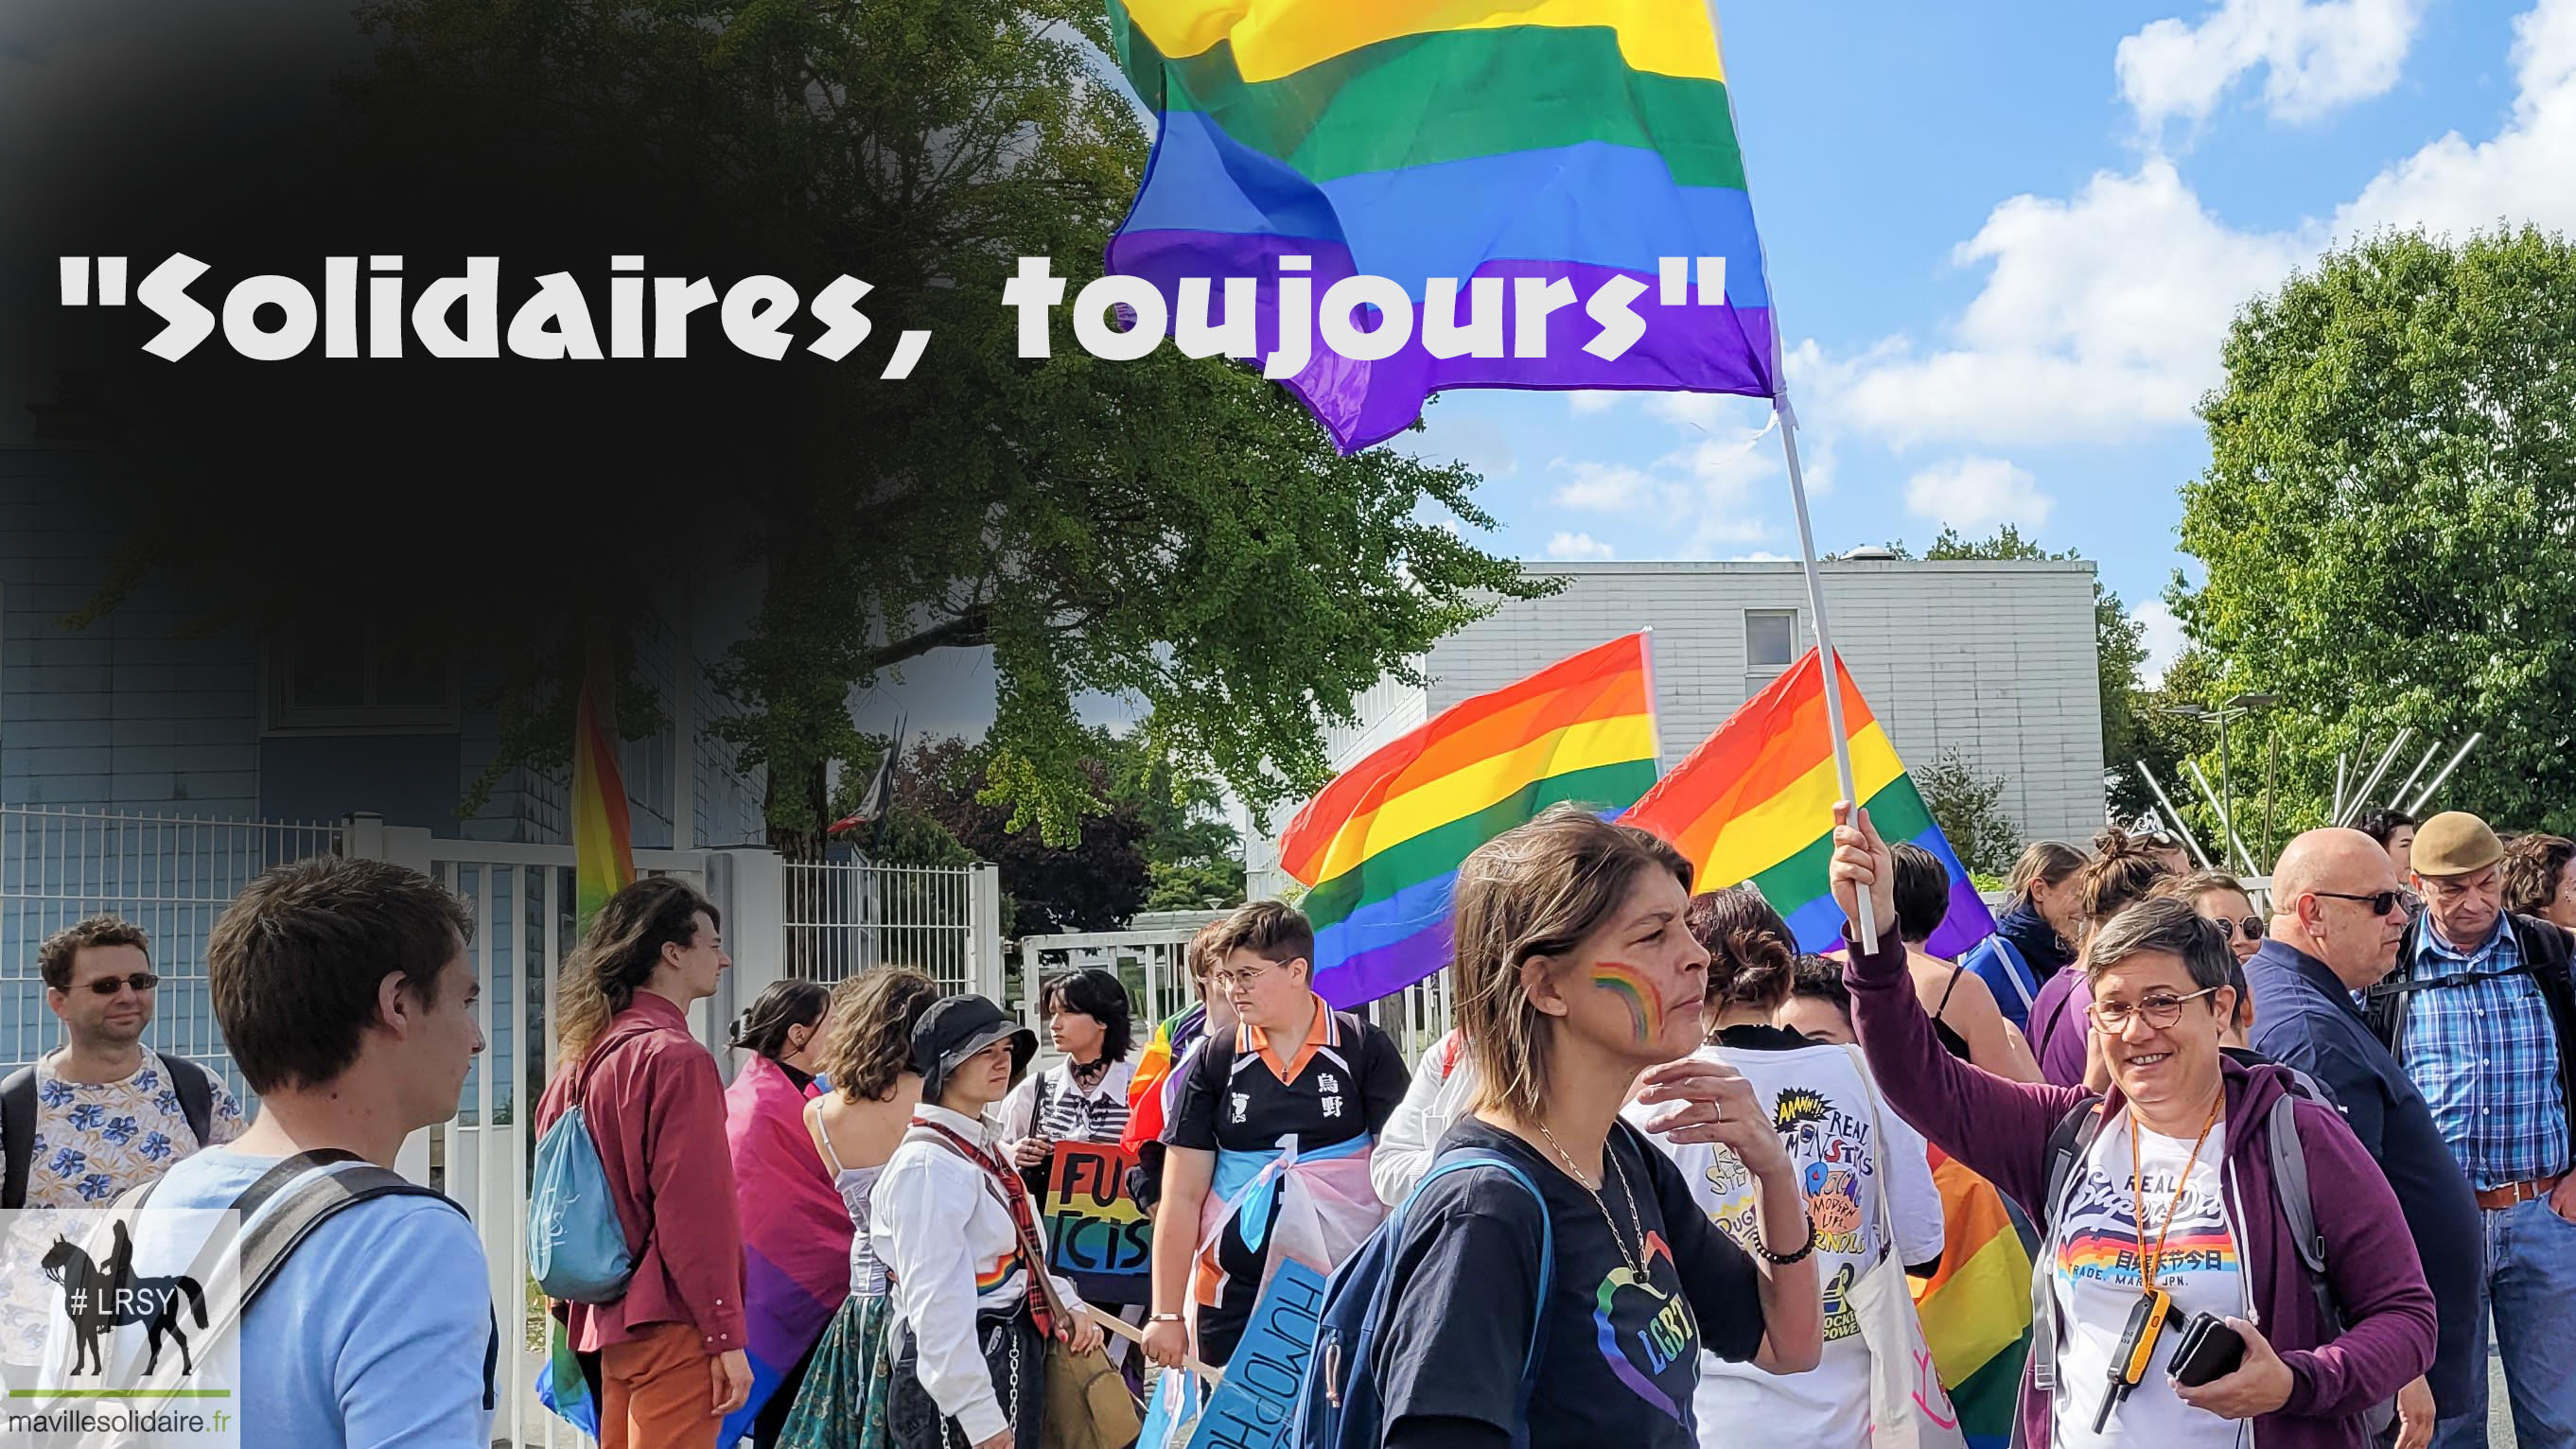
[1096, 1234]
[1256, 1402]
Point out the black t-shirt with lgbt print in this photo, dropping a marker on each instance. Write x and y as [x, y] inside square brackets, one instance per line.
[1621, 1356]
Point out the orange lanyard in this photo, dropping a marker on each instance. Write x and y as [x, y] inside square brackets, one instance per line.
[2148, 1258]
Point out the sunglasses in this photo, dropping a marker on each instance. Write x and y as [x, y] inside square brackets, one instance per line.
[2162, 1012]
[2251, 928]
[2381, 902]
[110, 985]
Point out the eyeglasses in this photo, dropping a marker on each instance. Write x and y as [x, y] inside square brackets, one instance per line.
[2111, 1018]
[110, 985]
[2251, 928]
[1227, 981]
[2381, 902]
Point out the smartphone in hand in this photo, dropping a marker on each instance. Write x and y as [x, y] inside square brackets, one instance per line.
[2209, 1350]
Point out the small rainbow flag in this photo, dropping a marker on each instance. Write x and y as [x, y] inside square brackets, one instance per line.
[1146, 1089]
[1382, 844]
[603, 848]
[1516, 144]
[1755, 802]
[1976, 1310]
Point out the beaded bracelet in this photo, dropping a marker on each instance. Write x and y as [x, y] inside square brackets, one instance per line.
[1783, 1260]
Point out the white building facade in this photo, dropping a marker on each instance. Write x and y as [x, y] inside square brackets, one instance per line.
[1995, 659]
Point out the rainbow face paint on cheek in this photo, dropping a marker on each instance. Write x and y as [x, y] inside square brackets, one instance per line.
[1645, 1005]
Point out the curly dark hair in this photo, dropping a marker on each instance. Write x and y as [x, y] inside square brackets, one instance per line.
[1751, 956]
[54, 957]
[869, 1046]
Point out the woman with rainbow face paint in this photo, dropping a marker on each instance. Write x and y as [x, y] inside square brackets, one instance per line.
[1866, 1176]
[1577, 978]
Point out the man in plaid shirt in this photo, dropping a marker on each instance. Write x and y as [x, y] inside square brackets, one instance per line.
[2483, 1015]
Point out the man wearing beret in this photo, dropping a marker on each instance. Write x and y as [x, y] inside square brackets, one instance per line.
[2482, 1013]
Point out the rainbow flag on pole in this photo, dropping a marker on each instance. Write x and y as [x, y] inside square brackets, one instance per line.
[603, 854]
[1382, 844]
[1537, 142]
[1755, 802]
[603, 847]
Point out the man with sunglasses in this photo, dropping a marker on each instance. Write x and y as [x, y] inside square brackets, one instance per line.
[2339, 916]
[101, 1114]
[2482, 1013]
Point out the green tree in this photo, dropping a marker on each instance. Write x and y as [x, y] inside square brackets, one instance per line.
[1967, 803]
[2386, 519]
[2120, 649]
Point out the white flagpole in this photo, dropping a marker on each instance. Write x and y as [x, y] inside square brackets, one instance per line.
[1869, 928]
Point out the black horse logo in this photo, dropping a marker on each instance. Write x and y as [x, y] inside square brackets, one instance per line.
[99, 1300]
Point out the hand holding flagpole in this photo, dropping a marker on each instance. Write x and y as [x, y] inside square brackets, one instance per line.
[1826, 661]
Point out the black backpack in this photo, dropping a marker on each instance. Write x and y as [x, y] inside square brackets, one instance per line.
[193, 1083]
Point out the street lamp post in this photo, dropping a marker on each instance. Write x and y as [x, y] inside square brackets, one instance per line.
[2243, 704]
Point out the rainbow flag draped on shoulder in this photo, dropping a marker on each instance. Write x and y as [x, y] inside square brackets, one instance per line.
[1755, 802]
[1530, 146]
[1382, 844]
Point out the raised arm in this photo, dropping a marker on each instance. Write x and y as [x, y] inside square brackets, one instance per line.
[1998, 1128]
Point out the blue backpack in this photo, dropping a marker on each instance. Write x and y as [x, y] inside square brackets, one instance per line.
[1337, 1405]
[576, 1246]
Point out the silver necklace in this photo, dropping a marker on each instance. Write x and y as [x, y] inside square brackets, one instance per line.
[1636, 1258]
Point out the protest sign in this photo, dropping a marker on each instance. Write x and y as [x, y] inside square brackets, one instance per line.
[1096, 1234]
[1257, 1399]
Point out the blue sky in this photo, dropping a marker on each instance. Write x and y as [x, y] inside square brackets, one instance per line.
[2006, 240]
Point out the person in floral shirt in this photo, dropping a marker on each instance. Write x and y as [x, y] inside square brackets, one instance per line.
[96, 1117]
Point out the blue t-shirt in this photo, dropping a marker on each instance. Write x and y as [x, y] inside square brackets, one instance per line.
[372, 1334]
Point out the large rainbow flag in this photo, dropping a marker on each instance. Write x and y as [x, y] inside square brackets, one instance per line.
[1976, 1310]
[1755, 802]
[1582, 141]
[1382, 844]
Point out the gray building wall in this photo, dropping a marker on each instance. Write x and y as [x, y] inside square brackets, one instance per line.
[1995, 658]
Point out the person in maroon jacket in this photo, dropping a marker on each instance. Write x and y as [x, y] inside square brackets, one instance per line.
[671, 1353]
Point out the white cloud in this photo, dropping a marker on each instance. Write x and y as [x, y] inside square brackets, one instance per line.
[1602, 487]
[1975, 494]
[1581, 546]
[2317, 56]
[2102, 314]
[2163, 637]
[1584, 402]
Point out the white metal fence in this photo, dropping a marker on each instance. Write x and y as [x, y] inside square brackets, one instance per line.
[175, 876]
[172, 876]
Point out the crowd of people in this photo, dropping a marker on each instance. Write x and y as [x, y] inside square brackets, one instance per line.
[2282, 1171]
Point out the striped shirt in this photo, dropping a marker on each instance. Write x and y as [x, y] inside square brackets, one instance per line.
[2485, 1056]
[1051, 1104]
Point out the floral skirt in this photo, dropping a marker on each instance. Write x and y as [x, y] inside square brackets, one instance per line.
[848, 1383]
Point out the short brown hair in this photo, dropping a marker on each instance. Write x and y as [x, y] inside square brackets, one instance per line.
[1752, 958]
[1541, 889]
[869, 1046]
[2532, 865]
[1275, 931]
[54, 957]
[294, 962]
[2122, 873]
[2167, 924]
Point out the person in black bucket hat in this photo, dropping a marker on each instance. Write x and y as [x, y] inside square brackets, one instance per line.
[957, 1027]
[959, 1239]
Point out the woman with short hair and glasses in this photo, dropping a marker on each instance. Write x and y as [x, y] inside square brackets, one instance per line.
[2165, 1195]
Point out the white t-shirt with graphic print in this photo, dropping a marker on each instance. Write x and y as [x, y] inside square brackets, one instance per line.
[2095, 1250]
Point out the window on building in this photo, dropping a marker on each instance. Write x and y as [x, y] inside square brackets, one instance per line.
[1770, 636]
[358, 674]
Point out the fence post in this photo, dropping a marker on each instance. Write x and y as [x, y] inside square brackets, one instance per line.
[986, 972]
[748, 884]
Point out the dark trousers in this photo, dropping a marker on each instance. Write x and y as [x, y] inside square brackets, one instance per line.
[1014, 1354]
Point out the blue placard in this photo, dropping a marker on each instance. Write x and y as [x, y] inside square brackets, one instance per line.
[1257, 1399]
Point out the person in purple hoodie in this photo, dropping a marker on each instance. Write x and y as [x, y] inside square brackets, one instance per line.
[2174, 1193]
